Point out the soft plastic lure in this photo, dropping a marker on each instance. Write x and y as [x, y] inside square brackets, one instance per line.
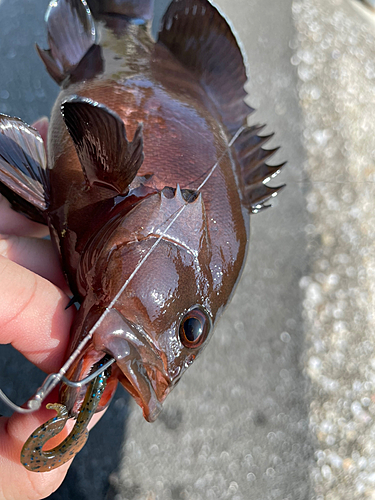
[34, 458]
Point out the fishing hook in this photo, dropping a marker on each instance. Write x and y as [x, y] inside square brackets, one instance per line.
[36, 401]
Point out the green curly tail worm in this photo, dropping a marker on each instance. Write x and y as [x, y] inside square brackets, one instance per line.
[35, 459]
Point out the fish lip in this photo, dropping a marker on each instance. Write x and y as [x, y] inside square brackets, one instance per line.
[139, 365]
[139, 361]
[136, 374]
[142, 391]
[133, 376]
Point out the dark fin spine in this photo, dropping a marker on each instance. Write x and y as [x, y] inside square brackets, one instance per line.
[263, 173]
[260, 156]
[71, 33]
[254, 169]
[255, 144]
[258, 194]
[201, 39]
[108, 159]
[23, 168]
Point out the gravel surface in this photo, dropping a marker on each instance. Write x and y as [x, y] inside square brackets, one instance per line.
[237, 425]
[335, 58]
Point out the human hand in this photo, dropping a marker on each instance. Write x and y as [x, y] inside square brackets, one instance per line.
[33, 319]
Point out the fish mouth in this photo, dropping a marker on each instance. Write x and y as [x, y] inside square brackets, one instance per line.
[138, 366]
[141, 379]
[135, 379]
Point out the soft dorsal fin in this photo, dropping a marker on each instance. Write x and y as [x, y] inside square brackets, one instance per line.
[23, 164]
[201, 39]
[71, 33]
[108, 159]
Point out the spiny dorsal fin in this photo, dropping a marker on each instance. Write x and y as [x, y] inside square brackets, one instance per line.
[201, 39]
[254, 169]
[108, 159]
[189, 229]
[23, 165]
[71, 33]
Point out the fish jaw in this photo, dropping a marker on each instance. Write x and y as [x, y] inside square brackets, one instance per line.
[139, 365]
[140, 362]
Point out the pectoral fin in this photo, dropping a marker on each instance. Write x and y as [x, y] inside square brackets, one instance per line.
[23, 168]
[108, 159]
[71, 33]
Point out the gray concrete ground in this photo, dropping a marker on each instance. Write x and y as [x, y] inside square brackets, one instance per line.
[245, 422]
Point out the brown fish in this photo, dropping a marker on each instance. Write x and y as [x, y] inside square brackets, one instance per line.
[151, 175]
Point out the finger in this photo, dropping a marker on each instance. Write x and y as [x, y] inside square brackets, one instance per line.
[16, 481]
[35, 254]
[12, 222]
[41, 126]
[33, 316]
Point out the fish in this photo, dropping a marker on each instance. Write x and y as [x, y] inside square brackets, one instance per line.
[147, 184]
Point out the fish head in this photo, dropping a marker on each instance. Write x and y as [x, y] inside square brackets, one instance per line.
[150, 302]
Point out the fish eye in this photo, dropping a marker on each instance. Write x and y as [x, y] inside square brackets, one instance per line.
[194, 328]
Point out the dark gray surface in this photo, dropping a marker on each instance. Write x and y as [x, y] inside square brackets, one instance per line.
[236, 426]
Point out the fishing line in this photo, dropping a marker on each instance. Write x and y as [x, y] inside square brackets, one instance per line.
[88, 379]
[234, 138]
[55, 378]
[209, 171]
[175, 216]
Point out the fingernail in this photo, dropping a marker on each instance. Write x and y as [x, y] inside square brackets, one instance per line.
[4, 245]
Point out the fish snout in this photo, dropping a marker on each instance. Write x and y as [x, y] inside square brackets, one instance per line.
[140, 363]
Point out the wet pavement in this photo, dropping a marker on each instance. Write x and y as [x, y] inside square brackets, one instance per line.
[280, 406]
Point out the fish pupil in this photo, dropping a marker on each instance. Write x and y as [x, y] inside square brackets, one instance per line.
[193, 329]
